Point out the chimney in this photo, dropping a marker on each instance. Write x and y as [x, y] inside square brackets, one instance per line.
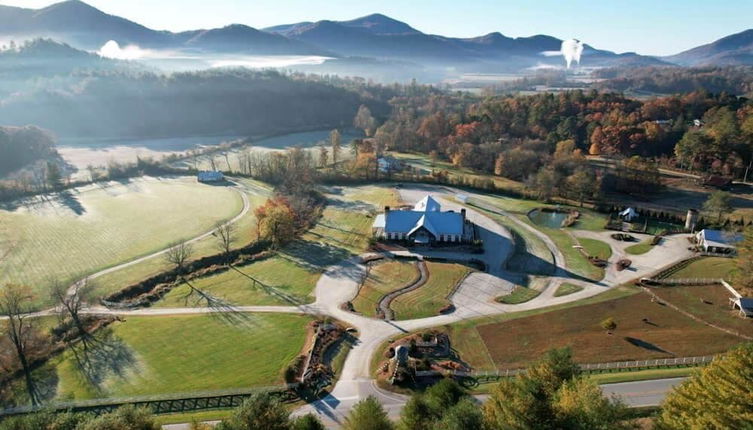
[462, 212]
[386, 209]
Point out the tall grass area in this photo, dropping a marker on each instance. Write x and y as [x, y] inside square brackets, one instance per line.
[179, 354]
[81, 231]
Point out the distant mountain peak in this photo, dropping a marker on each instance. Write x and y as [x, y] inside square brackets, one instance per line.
[377, 23]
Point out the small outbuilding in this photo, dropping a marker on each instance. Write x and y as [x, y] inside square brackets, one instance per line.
[210, 176]
[629, 214]
[717, 241]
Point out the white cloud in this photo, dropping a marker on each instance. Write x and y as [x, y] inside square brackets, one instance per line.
[112, 49]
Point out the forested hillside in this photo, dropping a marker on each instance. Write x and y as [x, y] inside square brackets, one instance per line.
[671, 80]
[139, 104]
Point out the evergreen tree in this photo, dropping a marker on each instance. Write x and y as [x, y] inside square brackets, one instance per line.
[367, 414]
[260, 411]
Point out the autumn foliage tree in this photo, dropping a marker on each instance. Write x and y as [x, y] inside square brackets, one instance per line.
[276, 221]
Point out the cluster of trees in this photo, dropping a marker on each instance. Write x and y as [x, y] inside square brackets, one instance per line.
[736, 80]
[514, 136]
[551, 394]
[20, 146]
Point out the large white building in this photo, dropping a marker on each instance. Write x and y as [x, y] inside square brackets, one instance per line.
[717, 241]
[424, 224]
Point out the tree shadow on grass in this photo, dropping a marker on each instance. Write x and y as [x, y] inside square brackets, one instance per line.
[272, 290]
[314, 256]
[101, 356]
[646, 345]
[220, 308]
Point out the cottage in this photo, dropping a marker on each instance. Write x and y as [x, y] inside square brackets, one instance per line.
[210, 176]
[717, 241]
[424, 224]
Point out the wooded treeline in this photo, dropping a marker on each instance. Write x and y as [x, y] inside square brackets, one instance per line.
[229, 101]
[517, 136]
[20, 146]
[736, 80]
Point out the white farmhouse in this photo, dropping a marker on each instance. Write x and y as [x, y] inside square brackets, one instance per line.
[426, 223]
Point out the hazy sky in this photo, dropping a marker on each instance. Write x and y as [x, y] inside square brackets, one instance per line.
[656, 27]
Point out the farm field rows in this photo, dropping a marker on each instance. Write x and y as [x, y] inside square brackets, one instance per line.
[78, 232]
[667, 333]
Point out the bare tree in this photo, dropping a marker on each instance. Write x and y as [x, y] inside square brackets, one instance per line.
[70, 301]
[178, 254]
[225, 234]
[15, 301]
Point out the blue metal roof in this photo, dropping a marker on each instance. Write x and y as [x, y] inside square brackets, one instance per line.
[427, 214]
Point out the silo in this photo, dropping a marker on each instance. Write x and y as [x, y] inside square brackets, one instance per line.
[691, 220]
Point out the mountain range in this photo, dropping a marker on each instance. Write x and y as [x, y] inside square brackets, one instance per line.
[375, 37]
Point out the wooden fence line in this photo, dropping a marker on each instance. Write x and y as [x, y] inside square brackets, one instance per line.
[592, 368]
[162, 404]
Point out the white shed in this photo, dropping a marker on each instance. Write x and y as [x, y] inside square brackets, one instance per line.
[629, 214]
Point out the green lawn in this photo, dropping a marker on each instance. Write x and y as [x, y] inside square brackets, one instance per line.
[640, 248]
[596, 248]
[707, 268]
[286, 282]
[519, 295]
[180, 354]
[246, 233]
[93, 227]
[432, 296]
[566, 289]
[383, 278]
[574, 259]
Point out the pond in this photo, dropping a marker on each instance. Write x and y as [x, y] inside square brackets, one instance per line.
[550, 218]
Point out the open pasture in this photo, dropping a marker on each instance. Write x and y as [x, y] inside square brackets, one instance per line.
[181, 354]
[78, 232]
